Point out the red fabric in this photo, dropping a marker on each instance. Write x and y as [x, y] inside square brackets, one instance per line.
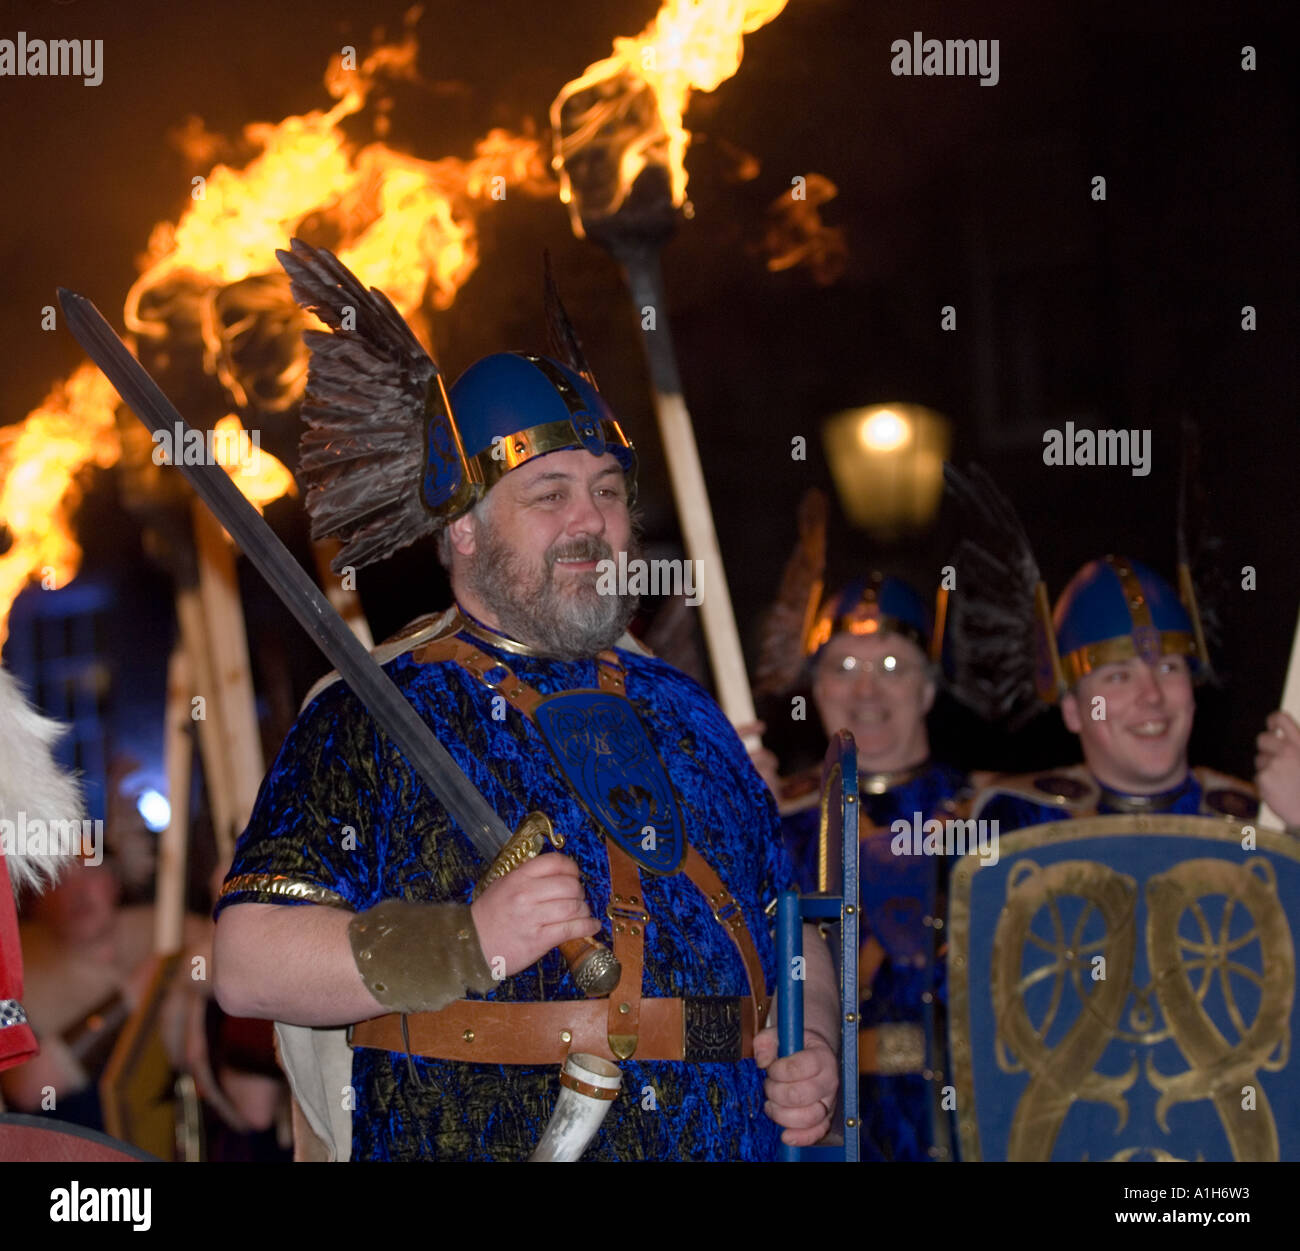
[17, 1042]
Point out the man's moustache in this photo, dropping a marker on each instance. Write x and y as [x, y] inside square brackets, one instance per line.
[583, 549]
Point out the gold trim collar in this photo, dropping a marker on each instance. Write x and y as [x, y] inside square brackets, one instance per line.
[464, 623]
[879, 783]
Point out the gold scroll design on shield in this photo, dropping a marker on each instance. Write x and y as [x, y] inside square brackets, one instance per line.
[1060, 1075]
[1217, 1069]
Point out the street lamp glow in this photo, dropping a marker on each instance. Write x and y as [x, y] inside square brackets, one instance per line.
[887, 462]
[885, 431]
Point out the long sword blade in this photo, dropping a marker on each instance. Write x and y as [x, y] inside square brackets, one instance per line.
[389, 707]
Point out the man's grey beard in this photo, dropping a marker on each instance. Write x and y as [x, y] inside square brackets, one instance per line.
[533, 610]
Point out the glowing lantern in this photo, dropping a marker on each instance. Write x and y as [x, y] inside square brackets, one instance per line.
[887, 462]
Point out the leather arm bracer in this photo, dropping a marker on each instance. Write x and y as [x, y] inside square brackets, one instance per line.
[418, 957]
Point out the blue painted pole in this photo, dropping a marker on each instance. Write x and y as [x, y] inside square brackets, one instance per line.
[789, 1015]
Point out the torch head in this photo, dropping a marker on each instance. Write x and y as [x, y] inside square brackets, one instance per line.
[512, 407]
[615, 162]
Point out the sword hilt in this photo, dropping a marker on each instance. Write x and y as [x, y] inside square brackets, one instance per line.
[594, 967]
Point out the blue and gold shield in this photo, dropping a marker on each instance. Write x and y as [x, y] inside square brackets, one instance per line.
[1123, 988]
[612, 766]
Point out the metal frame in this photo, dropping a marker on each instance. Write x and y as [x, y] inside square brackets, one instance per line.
[836, 903]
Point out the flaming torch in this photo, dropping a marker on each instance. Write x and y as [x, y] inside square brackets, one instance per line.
[619, 150]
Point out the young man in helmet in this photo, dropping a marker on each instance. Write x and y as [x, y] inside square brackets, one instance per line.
[1128, 660]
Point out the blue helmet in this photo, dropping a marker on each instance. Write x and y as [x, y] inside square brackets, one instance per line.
[875, 605]
[512, 407]
[1116, 609]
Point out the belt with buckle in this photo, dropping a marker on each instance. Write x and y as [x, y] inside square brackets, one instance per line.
[707, 1028]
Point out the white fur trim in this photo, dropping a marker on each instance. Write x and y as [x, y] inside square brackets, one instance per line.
[31, 782]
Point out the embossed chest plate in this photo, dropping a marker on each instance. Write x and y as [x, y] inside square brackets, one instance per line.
[612, 766]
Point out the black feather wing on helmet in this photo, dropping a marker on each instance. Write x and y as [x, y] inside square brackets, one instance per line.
[991, 610]
[374, 399]
[781, 636]
[1200, 550]
[562, 338]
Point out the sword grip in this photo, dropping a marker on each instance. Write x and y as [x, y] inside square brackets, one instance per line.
[594, 967]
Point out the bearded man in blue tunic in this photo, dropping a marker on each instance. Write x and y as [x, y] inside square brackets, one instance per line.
[868, 655]
[352, 901]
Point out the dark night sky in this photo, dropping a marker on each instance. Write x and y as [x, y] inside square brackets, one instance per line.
[1120, 314]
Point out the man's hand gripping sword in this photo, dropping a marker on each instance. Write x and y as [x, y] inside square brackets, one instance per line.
[594, 968]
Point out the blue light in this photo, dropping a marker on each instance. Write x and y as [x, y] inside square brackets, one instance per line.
[155, 810]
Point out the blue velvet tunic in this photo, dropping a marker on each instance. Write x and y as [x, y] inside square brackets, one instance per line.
[342, 811]
[897, 894]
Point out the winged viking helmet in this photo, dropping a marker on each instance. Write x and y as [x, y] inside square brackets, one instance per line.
[389, 456]
[1012, 652]
[803, 619]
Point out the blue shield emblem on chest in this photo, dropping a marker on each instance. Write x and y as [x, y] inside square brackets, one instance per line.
[610, 763]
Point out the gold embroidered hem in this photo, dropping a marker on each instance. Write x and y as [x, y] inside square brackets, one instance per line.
[277, 887]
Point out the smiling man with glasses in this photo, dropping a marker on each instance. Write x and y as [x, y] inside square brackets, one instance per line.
[867, 657]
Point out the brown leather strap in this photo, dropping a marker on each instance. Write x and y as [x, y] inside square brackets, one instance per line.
[627, 920]
[607, 1094]
[480, 1032]
[727, 912]
[475, 660]
[518, 694]
[625, 876]
[609, 673]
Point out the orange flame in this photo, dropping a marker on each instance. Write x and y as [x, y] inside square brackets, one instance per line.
[405, 225]
[259, 475]
[689, 45]
[41, 464]
[421, 228]
[796, 234]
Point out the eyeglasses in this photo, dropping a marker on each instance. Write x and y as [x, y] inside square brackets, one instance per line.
[850, 668]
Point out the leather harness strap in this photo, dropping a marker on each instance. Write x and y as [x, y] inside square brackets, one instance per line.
[627, 919]
[499, 678]
[727, 912]
[538, 1033]
[496, 675]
